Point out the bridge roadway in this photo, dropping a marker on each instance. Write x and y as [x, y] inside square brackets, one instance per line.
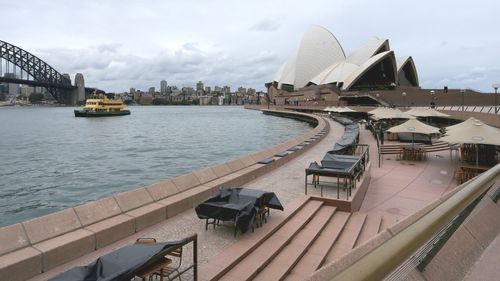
[398, 188]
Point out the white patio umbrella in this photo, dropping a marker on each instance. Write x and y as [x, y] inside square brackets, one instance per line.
[463, 124]
[472, 131]
[343, 109]
[426, 112]
[414, 126]
[389, 113]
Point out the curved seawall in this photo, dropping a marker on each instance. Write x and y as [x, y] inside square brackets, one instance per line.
[42, 243]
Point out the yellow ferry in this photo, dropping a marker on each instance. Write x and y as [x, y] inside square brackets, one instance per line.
[98, 105]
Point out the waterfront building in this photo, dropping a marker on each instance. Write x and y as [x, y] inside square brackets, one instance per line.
[208, 90]
[242, 90]
[151, 90]
[226, 90]
[371, 65]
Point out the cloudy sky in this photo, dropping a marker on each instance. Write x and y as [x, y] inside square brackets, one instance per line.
[126, 43]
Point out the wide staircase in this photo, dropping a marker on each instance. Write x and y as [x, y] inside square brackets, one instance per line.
[293, 246]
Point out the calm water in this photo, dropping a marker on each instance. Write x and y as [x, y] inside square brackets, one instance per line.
[51, 160]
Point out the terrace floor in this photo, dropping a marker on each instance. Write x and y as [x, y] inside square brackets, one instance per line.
[398, 188]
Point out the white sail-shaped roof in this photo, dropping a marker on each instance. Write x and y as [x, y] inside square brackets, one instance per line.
[369, 49]
[407, 63]
[358, 73]
[318, 49]
[320, 60]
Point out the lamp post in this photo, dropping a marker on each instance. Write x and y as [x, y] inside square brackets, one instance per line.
[378, 96]
[463, 99]
[404, 99]
[432, 98]
[495, 86]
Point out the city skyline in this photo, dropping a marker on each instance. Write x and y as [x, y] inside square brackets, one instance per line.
[453, 44]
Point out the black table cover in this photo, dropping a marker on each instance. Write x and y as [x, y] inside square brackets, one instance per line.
[237, 204]
[121, 264]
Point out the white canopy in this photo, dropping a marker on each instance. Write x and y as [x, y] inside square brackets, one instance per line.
[389, 113]
[343, 109]
[414, 126]
[472, 131]
[426, 112]
[329, 108]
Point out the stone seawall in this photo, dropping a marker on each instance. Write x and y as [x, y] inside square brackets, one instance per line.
[40, 244]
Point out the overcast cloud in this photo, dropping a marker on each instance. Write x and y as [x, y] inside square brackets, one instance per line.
[123, 44]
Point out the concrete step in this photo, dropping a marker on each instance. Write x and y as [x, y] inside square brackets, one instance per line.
[316, 254]
[217, 266]
[387, 221]
[370, 228]
[255, 261]
[291, 253]
[347, 239]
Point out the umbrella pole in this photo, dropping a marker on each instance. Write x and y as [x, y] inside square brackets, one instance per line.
[477, 155]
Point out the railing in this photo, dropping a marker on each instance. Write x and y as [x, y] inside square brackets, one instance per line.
[390, 255]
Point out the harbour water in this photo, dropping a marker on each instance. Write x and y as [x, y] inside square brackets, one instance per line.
[50, 160]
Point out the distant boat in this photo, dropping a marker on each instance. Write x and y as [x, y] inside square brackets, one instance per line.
[98, 105]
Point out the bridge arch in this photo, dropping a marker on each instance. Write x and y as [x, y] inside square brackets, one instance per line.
[44, 74]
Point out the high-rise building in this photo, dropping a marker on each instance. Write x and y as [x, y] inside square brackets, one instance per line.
[163, 86]
[151, 90]
[132, 91]
[208, 90]
[199, 86]
[226, 90]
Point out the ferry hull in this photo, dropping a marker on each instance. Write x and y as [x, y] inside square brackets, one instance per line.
[87, 113]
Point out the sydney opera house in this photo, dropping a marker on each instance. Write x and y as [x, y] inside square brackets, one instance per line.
[320, 70]
[321, 60]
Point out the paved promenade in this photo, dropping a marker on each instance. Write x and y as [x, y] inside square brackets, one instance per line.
[398, 188]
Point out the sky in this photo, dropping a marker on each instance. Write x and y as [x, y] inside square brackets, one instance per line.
[122, 44]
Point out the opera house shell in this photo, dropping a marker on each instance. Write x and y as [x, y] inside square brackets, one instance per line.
[320, 60]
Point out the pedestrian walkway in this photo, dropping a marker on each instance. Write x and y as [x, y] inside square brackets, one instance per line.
[398, 189]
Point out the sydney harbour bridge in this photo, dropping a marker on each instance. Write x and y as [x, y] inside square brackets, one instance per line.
[18, 66]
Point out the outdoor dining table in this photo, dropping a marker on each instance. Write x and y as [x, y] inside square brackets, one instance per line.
[412, 153]
[240, 205]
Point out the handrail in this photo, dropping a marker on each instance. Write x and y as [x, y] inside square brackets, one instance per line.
[387, 257]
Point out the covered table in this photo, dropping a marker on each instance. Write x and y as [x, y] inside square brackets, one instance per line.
[121, 264]
[240, 205]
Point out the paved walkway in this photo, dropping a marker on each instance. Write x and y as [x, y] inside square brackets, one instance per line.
[401, 188]
[398, 188]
